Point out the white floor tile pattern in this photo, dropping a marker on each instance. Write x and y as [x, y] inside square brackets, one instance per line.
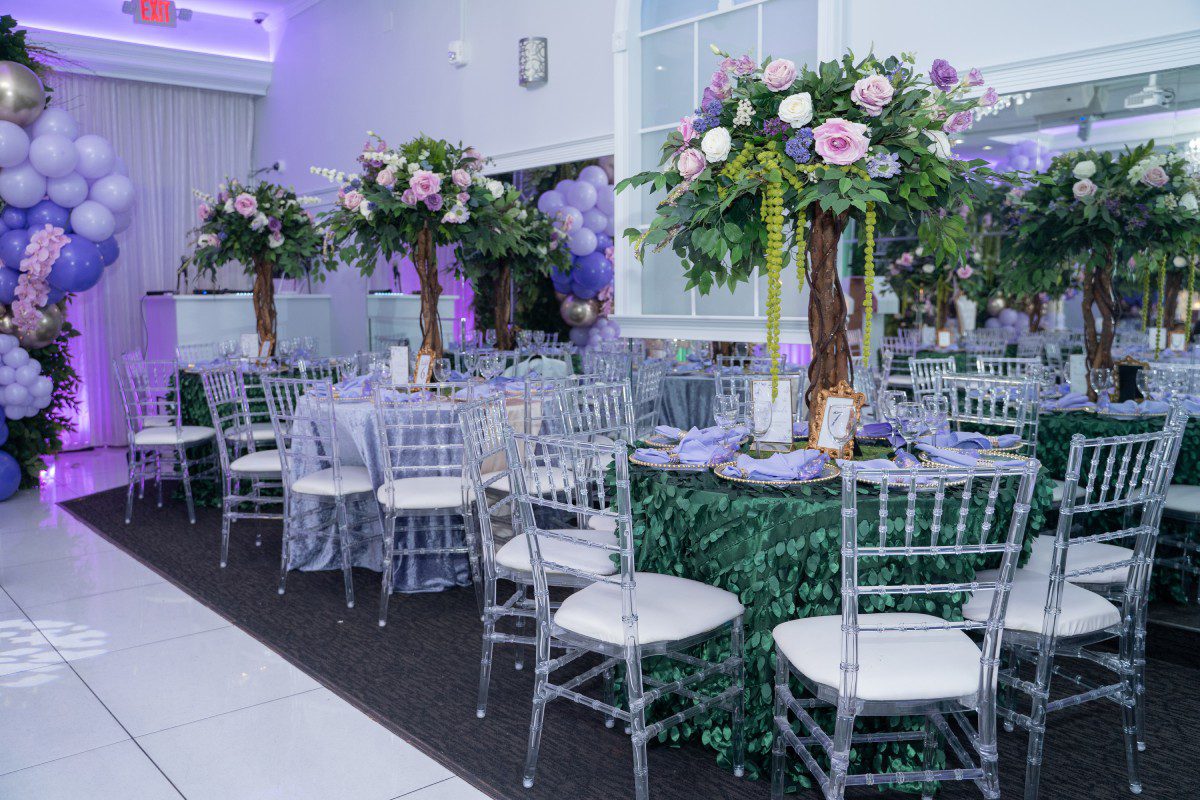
[115, 684]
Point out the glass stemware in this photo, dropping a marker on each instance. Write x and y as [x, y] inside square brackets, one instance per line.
[760, 421]
[1145, 383]
[1102, 382]
[888, 401]
[469, 362]
[725, 411]
[910, 417]
[936, 408]
[441, 369]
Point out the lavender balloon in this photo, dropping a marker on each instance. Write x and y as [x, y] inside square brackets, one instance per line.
[570, 218]
[594, 220]
[114, 192]
[22, 186]
[53, 155]
[55, 120]
[581, 241]
[605, 199]
[594, 175]
[550, 202]
[96, 156]
[123, 220]
[562, 186]
[69, 190]
[93, 221]
[14, 144]
[582, 195]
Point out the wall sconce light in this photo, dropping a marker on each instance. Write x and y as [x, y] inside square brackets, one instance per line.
[533, 61]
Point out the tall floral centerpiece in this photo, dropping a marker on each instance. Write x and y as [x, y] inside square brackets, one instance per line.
[509, 243]
[265, 228]
[408, 200]
[777, 161]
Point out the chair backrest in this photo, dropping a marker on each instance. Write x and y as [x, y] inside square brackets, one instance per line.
[741, 386]
[149, 392]
[229, 411]
[318, 369]
[925, 372]
[990, 401]
[418, 431]
[647, 392]
[1005, 367]
[1031, 345]
[195, 354]
[306, 430]
[485, 429]
[986, 341]
[1120, 478]
[539, 398]
[610, 366]
[963, 523]
[597, 409]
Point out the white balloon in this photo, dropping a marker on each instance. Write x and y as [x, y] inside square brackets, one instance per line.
[96, 156]
[69, 190]
[55, 120]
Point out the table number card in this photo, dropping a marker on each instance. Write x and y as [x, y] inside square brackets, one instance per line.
[780, 431]
[1077, 373]
[1178, 341]
[424, 366]
[399, 362]
[943, 338]
[249, 344]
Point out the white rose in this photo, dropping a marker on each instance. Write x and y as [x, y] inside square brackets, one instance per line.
[928, 269]
[496, 188]
[1189, 202]
[1179, 262]
[229, 206]
[259, 222]
[920, 251]
[275, 240]
[797, 109]
[940, 146]
[1084, 169]
[715, 144]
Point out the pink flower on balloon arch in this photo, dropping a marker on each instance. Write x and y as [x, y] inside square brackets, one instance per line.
[964, 272]
[608, 252]
[605, 296]
[32, 289]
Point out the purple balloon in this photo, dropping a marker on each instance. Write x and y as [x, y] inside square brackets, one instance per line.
[603, 242]
[582, 195]
[10, 475]
[570, 218]
[550, 202]
[96, 156]
[561, 281]
[55, 120]
[594, 220]
[581, 241]
[53, 155]
[611, 332]
[610, 227]
[3, 433]
[47, 212]
[594, 175]
[592, 271]
[114, 192]
[562, 186]
[69, 190]
[54, 295]
[8, 285]
[1008, 317]
[108, 250]
[581, 290]
[12, 248]
[14, 144]
[78, 267]
[13, 218]
[93, 221]
[22, 185]
[122, 219]
[605, 199]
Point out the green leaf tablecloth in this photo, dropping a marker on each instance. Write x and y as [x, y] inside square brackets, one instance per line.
[778, 550]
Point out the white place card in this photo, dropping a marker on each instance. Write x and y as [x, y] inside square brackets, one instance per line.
[780, 431]
[249, 345]
[1178, 341]
[1077, 373]
[399, 360]
[943, 338]
[1156, 338]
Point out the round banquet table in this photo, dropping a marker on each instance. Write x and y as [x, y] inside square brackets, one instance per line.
[778, 550]
[687, 400]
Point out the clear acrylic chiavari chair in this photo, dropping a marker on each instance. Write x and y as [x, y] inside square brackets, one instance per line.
[647, 394]
[983, 401]
[424, 490]
[250, 476]
[1003, 367]
[624, 617]
[1093, 591]
[926, 371]
[159, 442]
[485, 426]
[986, 342]
[597, 412]
[193, 355]
[898, 663]
[314, 478]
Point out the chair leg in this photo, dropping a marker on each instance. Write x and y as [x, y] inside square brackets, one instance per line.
[342, 533]
[928, 752]
[485, 660]
[610, 696]
[540, 698]
[839, 755]
[187, 484]
[1012, 664]
[158, 477]
[1037, 721]
[1129, 701]
[1139, 674]
[637, 710]
[471, 541]
[778, 746]
[285, 543]
[134, 469]
[226, 510]
[518, 649]
[389, 566]
[738, 721]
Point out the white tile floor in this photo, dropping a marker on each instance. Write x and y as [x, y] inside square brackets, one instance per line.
[115, 684]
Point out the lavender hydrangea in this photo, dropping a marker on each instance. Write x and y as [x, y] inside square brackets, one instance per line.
[797, 151]
[774, 126]
[805, 135]
[883, 165]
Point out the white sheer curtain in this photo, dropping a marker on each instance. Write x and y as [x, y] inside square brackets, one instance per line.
[173, 139]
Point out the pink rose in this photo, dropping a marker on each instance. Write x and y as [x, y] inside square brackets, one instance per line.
[246, 205]
[461, 178]
[690, 163]
[872, 93]
[463, 197]
[686, 130]
[959, 122]
[779, 75]
[204, 211]
[840, 141]
[386, 178]
[1155, 176]
[352, 200]
[424, 183]
[408, 197]
[1083, 189]
[964, 272]
[473, 158]
[905, 260]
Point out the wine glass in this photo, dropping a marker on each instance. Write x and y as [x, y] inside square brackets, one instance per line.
[725, 411]
[491, 365]
[470, 361]
[703, 349]
[1102, 382]
[888, 400]
[539, 338]
[1145, 383]
[910, 417]
[489, 337]
[760, 420]
[936, 408]
[441, 369]
[348, 367]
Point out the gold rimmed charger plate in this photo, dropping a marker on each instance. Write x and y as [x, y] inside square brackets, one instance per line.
[828, 472]
[1125, 415]
[659, 442]
[670, 465]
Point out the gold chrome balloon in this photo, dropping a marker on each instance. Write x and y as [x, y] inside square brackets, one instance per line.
[22, 97]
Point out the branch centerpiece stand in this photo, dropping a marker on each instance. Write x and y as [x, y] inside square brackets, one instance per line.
[777, 161]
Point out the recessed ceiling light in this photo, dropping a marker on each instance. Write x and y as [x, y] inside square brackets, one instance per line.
[958, 141]
[987, 147]
[660, 68]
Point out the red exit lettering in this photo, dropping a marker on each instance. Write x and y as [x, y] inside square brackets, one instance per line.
[155, 12]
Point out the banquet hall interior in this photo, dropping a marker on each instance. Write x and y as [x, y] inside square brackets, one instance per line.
[516, 399]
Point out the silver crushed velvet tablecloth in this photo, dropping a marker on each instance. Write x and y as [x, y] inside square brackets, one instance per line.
[687, 400]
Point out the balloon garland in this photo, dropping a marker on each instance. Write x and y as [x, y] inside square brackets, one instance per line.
[583, 211]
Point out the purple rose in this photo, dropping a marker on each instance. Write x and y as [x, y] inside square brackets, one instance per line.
[720, 84]
[959, 122]
[779, 75]
[433, 202]
[424, 183]
[408, 197]
[942, 74]
[274, 225]
[990, 98]
[974, 77]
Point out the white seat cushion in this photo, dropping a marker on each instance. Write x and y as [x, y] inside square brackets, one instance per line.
[432, 491]
[354, 480]
[187, 434]
[544, 479]
[892, 665]
[668, 609]
[1183, 499]
[597, 561]
[1083, 555]
[598, 523]
[1082, 612]
[258, 431]
[900, 380]
[1057, 495]
[261, 462]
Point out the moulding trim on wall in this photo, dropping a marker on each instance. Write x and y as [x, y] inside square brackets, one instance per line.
[792, 330]
[107, 58]
[559, 153]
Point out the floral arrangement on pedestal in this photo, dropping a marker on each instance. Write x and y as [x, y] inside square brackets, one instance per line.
[509, 244]
[1099, 210]
[409, 200]
[778, 159]
[265, 228]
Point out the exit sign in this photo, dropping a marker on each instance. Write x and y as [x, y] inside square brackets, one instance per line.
[155, 12]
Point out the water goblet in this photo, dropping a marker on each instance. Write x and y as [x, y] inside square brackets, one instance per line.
[936, 408]
[441, 369]
[1102, 382]
[760, 420]
[489, 337]
[910, 418]
[1145, 383]
[725, 411]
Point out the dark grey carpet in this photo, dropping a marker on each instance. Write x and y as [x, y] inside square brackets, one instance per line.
[418, 677]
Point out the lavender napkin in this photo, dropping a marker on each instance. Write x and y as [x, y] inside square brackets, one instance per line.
[1191, 406]
[1071, 400]
[960, 439]
[875, 430]
[957, 458]
[800, 430]
[797, 465]
[652, 456]
[669, 431]
[698, 451]
[1134, 407]
[475, 392]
